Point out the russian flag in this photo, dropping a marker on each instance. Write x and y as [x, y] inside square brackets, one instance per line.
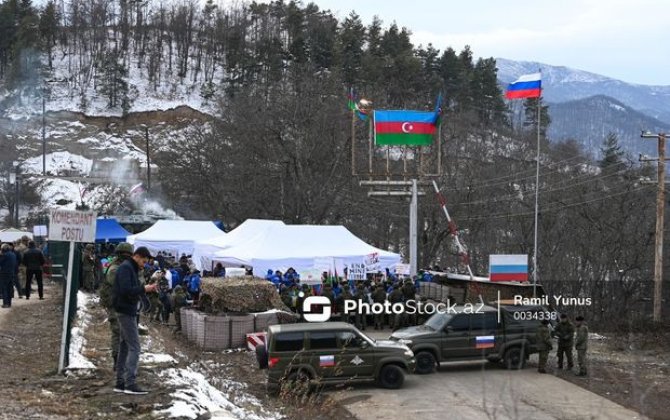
[485, 342]
[526, 86]
[327, 361]
[508, 268]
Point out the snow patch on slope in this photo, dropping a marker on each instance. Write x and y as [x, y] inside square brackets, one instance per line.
[195, 396]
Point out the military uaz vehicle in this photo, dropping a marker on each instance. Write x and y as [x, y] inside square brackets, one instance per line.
[474, 334]
[332, 353]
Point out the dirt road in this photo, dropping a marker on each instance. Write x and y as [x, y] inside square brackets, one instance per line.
[482, 391]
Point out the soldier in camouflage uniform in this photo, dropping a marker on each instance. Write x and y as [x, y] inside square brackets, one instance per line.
[565, 332]
[178, 302]
[154, 298]
[408, 293]
[361, 319]
[543, 342]
[396, 297]
[88, 268]
[379, 296]
[346, 295]
[123, 252]
[581, 344]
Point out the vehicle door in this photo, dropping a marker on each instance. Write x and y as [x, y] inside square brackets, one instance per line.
[356, 357]
[456, 341]
[323, 349]
[287, 351]
[483, 334]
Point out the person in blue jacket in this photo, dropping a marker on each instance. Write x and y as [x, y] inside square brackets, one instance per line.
[194, 285]
[126, 294]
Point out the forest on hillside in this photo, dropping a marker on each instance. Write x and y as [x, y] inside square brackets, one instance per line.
[279, 142]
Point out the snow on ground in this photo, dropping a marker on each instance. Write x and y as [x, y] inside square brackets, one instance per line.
[77, 361]
[58, 162]
[96, 197]
[195, 396]
[66, 90]
[156, 359]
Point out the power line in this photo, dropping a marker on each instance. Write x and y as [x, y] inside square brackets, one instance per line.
[562, 207]
[548, 189]
[487, 182]
[531, 177]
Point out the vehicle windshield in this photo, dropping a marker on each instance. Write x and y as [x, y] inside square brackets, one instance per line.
[438, 321]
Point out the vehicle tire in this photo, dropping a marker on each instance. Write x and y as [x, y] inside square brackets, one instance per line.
[299, 378]
[425, 362]
[262, 356]
[391, 377]
[514, 358]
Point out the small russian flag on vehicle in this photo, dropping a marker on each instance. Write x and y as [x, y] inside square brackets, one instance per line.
[327, 361]
[485, 341]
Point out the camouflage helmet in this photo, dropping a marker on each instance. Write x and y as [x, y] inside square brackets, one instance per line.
[124, 247]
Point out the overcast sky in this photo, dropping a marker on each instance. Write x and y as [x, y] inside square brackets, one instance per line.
[624, 39]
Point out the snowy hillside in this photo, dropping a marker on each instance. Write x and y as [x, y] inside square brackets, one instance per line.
[563, 84]
[82, 93]
[590, 120]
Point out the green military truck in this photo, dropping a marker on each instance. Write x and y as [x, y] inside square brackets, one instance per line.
[332, 353]
[482, 334]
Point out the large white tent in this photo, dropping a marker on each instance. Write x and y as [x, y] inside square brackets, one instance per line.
[178, 236]
[249, 230]
[12, 235]
[309, 249]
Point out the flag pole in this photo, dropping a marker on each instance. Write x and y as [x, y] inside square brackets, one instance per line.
[370, 146]
[353, 142]
[537, 194]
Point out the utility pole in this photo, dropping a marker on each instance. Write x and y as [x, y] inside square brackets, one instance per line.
[44, 141]
[413, 212]
[413, 240]
[146, 136]
[660, 214]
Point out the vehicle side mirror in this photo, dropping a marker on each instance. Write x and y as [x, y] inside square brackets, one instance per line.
[448, 329]
[364, 344]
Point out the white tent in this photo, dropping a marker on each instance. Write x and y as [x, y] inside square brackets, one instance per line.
[11, 235]
[249, 230]
[309, 249]
[178, 236]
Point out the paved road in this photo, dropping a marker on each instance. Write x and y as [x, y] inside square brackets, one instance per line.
[481, 391]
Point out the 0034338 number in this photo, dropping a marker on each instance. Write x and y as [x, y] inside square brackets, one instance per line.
[535, 315]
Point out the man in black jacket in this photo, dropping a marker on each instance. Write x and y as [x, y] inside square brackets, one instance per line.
[7, 270]
[33, 259]
[126, 295]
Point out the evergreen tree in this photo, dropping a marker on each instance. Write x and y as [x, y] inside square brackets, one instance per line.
[611, 152]
[350, 49]
[49, 30]
[530, 112]
[112, 83]
[487, 95]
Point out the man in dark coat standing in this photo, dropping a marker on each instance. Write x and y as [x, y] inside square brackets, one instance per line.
[126, 295]
[8, 266]
[33, 259]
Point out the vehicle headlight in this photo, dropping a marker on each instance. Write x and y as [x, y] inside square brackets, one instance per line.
[405, 342]
[409, 353]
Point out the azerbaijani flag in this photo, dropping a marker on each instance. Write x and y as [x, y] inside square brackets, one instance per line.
[508, 267]
[352, 97]
[526, 86]
[485, 341]
[404, 128]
